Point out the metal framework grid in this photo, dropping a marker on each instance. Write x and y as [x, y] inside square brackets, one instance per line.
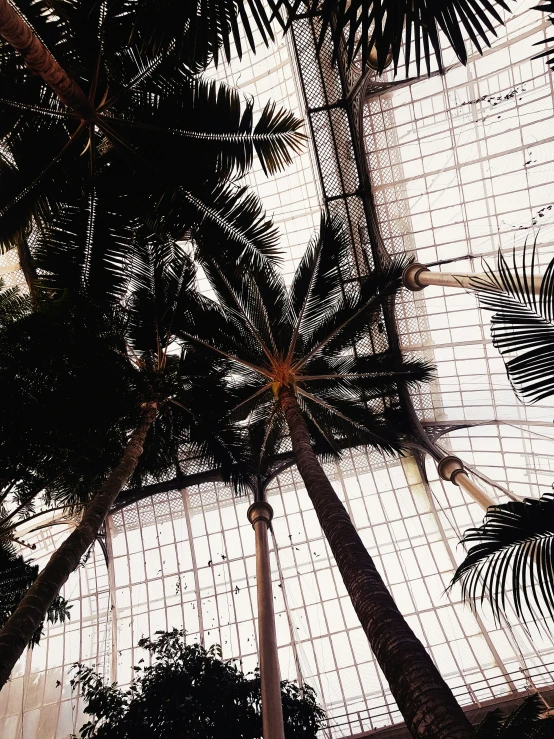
[184, 557]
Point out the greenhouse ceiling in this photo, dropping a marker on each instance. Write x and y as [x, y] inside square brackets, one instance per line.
[451, 169]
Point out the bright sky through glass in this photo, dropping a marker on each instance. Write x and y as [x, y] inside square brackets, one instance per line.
[461, 165]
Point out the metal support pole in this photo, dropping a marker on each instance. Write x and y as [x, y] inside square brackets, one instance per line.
[418, 276]
[260, 515]
[452, 470]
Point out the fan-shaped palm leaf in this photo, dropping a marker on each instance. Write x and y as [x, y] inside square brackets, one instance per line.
[512, 551]
[522, 323]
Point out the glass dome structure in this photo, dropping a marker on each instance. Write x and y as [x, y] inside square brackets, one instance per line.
[455, 167]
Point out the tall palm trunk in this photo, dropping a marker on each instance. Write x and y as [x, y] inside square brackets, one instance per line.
[33, 608]
[19, 36]
[425, 700]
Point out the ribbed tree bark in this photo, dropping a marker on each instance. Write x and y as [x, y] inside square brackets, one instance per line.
[425, 700]
[33, 608]
[37, 57]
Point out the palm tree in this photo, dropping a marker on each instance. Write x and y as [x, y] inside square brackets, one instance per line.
[295, 357]
[512, 550]
[173, 407]
[155, 138]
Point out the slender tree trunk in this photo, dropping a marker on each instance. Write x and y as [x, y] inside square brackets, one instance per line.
[425, 700]
[19, 36]
[33, 608]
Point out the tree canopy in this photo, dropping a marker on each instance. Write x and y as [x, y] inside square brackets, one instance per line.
[189, 692]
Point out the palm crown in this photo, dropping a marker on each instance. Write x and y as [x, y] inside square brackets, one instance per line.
[85, 347]
[305, 338]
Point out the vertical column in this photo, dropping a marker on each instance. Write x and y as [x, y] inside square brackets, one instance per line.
[260, 515]
[186, 506]
[113, 606]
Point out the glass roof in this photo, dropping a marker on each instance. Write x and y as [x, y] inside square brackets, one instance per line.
[461, 166]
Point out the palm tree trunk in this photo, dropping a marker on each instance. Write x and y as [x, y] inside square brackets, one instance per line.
[425, 700]
[33, 608]
[19, 36]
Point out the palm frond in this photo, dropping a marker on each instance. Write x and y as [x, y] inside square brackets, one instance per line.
[522, 719]
[176, 117]
[317, 284]
[548, 54]
[513, 549]
[276, 137]
[491, 726]
[196, 31]
[87, 247]
[210, 327]
[396, 27]
[13, 305]
[232, 224]
[373, 375]
[522, 323]
[350, 318]
[161, 275]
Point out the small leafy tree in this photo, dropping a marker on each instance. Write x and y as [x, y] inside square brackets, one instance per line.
[189, 691]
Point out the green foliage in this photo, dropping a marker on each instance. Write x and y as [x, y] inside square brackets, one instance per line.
[512, 550]
[524, 722]
[188, 691]
[16, 576]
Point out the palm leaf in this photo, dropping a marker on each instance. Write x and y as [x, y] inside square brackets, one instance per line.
[87, 247]
[523, 718]
[411, 28]
[522, 323]
[350, 318]
[491, 726]
[13, 305]
[173, 116]
[513, 549]
[548, 54]
[198, 30]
